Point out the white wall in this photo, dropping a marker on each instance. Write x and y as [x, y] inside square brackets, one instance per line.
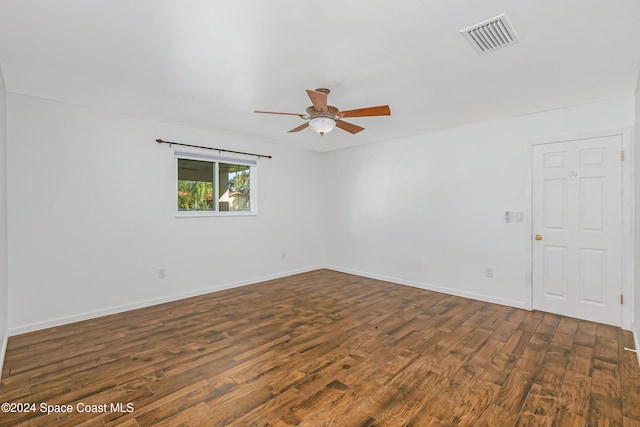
[636, 313]
[91, 213]
[429, 210]
[4, 278]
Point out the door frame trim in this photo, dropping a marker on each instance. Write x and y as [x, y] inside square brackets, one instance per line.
[627, 215]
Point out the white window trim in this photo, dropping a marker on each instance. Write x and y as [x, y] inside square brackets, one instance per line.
[207, 157]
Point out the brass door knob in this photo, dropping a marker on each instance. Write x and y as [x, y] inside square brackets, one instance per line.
[538, 236]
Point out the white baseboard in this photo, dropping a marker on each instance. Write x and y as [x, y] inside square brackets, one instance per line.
[435, 288]
[147, 303]
[3, 351]
[636, 341]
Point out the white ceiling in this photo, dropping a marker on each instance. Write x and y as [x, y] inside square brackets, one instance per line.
[211, 63]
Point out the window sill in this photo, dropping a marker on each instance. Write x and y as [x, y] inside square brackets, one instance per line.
[198, 214]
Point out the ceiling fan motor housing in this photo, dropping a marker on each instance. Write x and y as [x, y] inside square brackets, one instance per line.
[331, 112]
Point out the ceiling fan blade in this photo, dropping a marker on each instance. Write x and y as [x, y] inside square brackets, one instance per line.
[275, 112]
[349, 127]
[318, 99]
[299, 128]
[382, 110]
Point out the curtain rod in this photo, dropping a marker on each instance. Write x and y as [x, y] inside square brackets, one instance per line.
[160, 141]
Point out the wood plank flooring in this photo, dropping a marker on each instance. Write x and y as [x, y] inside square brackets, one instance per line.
[321, 349]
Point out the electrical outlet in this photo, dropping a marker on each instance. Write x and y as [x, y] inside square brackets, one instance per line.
[283, 255]
[162, 273]
[488, 272]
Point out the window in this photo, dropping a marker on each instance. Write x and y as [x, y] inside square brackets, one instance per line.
[210, 185]
[234, 183]
[195, 185]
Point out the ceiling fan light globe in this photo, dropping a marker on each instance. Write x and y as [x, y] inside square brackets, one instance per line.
[322, 125]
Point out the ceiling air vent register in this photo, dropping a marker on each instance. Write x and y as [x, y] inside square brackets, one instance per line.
[491, 34]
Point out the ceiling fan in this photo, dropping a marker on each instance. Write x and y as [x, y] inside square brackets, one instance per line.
[322, 118]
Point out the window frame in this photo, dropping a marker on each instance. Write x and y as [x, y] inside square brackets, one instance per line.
[216, 160]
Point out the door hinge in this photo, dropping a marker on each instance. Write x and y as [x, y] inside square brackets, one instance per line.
[622, 156]
[621, 299]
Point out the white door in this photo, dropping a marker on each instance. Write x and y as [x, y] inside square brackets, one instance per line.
[577, 228]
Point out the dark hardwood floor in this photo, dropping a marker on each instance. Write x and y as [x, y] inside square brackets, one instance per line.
[320, 349]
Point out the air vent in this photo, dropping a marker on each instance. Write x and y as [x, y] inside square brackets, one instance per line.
[491, 35]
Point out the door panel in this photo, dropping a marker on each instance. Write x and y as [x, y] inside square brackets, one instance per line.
[555, 272]
[555, 204]
[593, 275]
[592, 204]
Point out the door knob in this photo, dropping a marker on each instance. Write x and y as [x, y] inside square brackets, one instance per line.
[538, 236]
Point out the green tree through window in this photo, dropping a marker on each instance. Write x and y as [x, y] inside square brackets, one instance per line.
[195, 195]
[195, 185]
